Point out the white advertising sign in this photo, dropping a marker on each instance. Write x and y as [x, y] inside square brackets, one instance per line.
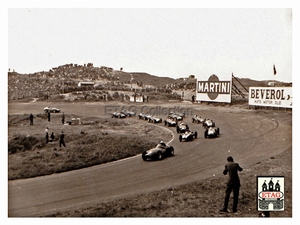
[271, 96]
[215, 88]
[136, 98]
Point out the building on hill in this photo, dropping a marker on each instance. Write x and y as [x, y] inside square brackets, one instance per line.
[86, 84]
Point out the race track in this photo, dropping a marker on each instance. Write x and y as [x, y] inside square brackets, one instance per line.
[249, 137]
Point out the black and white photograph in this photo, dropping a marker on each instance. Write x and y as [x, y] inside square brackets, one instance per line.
[127, 111]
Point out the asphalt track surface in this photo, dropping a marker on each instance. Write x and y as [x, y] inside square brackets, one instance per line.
[247, 136]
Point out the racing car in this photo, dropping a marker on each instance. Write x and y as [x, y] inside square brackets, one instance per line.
[208, 123]
[159, 152]
[182, 127]
[144, 116]
[188, 135]
[154, 119]
[212, 132]
[118, 114]
[170, 122]
[128, 112]
[178, 113]
[51, 110]
[175, 116]
[197, 119]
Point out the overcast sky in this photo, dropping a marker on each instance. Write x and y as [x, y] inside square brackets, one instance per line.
[162, 41]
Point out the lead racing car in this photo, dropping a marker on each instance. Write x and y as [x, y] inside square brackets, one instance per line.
[159, 152]
[212, 132]
[188, 135]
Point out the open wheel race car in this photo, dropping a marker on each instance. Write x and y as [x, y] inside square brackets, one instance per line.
[154, 119]
[175, 116]
[144, 116]
[159, 152]
[182, 127]
[208, 123]
[188, 135]
[128, 113]
[212, 132]
[197, 119]
[118, 115]
[170, 122]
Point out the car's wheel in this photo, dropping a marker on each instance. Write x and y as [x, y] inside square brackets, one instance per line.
[144, 156]
[171, 151]
[159, 156]
[180, 138]
[205, 134]
[218, 131]
[196, 134]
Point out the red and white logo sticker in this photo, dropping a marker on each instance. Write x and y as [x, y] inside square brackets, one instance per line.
[270, 193]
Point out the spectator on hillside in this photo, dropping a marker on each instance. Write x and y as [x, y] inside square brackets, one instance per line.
[47, 135]
[52, 137]
[61, 139]
[31, 119]
[48, 116]
[63, 118]
[233, 184]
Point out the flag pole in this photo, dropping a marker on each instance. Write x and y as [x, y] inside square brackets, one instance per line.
[274, 70]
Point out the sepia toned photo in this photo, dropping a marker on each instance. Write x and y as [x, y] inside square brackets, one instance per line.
[149, 112]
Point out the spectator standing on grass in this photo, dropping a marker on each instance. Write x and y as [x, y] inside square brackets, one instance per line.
[52, 136]
[63, 118]
[48, 116]
[31, 119]
[47, 135]
[233, 183]
[61, 139]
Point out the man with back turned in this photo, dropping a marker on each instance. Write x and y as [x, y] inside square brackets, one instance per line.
[233, 183]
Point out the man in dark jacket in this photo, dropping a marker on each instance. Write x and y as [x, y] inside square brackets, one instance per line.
[31, 119]
[62, 139]
[63, 118]
[233, 183]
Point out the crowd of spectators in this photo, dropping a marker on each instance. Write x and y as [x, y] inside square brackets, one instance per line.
[65, 79]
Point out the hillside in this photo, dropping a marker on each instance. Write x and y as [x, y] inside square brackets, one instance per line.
[64, 79]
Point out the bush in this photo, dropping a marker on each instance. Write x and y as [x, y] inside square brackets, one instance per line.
[22, 143]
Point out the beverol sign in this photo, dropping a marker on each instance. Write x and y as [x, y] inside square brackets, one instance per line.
[271, 96]
[214, 89]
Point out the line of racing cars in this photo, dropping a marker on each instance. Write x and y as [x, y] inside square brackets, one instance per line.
[162, 150]
[174, 119]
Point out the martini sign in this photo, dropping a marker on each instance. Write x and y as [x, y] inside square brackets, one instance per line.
[214, 89]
